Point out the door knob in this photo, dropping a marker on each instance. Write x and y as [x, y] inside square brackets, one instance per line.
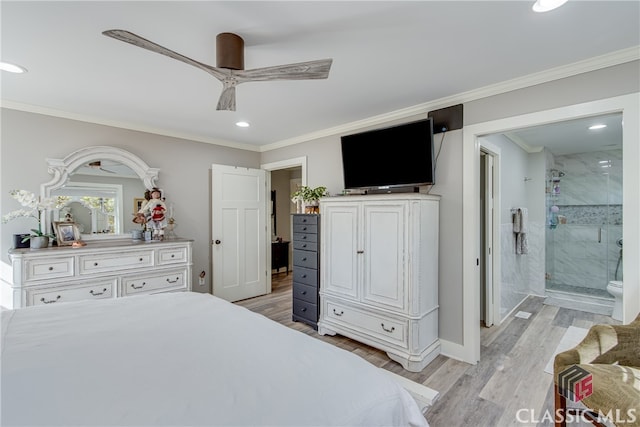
[218, 242]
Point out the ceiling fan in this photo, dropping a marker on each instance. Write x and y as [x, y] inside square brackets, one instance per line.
[98, 165]
[229, 67]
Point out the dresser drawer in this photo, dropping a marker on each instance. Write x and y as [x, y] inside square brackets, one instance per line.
[392, 331]
[172, 255]
[304, 237]
[305, 310]
[90, 264]
[172, 280]
[305, 228]
[305, 259]
[305, 275]
[305, 219]
[305, 245]
[48, 268]
[99, 290]
[305, 293]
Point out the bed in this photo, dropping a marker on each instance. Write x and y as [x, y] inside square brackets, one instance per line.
[184, 359]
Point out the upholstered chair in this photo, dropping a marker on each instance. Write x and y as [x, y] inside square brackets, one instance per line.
[611, 355]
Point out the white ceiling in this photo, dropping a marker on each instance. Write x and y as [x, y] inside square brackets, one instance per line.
[387, 56]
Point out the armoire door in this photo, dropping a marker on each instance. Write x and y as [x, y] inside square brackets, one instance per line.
[341, 249]
[385, 246]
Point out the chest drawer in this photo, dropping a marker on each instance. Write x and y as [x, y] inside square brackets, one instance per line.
[305, 246]
[154, 282]
[172, 255]
[305, 219]
[305, 259]
[99, 290]
[390, 330]
[305, 275]
[113, 262]
[305, 310]
[305, 237]
[48, 268]
[305, 293]
[305, 228]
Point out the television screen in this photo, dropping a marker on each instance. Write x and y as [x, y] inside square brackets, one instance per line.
[397, 156]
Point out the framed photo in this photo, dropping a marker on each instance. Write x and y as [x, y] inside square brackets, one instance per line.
[67, 232]
[137, 204]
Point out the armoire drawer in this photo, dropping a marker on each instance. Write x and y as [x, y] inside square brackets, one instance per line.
[305, 228]
[389, 330]
[60, 294]
[100, 263]
[48, 268]
[154, 282]
[305, 219]
[304, 237]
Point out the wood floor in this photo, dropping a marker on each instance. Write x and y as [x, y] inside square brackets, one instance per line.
[507, 387]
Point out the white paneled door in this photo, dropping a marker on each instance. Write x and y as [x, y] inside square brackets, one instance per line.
[239, 233]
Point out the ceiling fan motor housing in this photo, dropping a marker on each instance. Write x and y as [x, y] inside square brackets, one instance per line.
[229, 51]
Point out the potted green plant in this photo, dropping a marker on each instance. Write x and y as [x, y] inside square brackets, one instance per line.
[309, 197]
[35, 208]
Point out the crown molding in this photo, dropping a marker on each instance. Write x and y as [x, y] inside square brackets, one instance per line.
[29, 108]
[592, 64]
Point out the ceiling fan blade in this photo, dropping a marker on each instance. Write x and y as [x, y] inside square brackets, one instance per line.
[227, 99]
[300, 71]
[136, 40]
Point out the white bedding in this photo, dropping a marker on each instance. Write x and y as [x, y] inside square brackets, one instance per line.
[183, 359]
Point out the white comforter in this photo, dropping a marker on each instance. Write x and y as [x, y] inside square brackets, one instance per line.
[183, 359]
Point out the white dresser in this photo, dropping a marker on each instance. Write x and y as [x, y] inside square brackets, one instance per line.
[379, 273]
[101, 269]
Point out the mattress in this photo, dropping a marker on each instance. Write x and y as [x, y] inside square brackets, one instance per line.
[183, 359]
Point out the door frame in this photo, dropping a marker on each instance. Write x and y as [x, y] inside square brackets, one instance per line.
[274, 166]
[493, 151]
[628, 105]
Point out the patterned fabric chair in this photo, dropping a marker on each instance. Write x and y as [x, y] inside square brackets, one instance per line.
[603, 373]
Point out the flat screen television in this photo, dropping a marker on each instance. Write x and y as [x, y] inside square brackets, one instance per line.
[397, 156]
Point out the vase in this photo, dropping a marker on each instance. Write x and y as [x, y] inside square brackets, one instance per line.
[39, 242]
[18, 241]
[312, 207]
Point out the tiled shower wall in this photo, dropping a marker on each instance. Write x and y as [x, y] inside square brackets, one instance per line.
[583, 251]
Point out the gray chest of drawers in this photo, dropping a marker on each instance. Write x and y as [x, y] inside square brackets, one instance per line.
[306, 268]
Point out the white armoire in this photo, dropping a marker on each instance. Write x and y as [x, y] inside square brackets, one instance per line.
[379, 273]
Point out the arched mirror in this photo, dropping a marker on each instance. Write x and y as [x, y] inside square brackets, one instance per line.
[100, 188]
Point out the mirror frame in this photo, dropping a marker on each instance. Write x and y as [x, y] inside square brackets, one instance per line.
[61, 169]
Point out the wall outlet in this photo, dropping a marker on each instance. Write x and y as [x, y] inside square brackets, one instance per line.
[201, 281]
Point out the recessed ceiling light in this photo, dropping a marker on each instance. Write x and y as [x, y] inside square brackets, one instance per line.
[599, 126]
[242, 124]
[12, 68]
[547, 5]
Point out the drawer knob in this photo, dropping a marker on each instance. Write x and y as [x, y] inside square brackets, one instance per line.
[95, 294]
[304, 228]
[133, 285]
[51, 300]
[304, 237]
[304, 276]
[338, 314]
[304, 246]
[173, 281]
[360, 252]
[303, 292]
[304, 259]
[95, 264]
[141, 259]
[304, 309]
[173, 255]
[50, 268]
[387, 330]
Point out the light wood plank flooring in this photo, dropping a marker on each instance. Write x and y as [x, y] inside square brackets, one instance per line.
[509, 378]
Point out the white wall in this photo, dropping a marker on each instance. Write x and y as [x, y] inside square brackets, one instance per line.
[28, 139]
